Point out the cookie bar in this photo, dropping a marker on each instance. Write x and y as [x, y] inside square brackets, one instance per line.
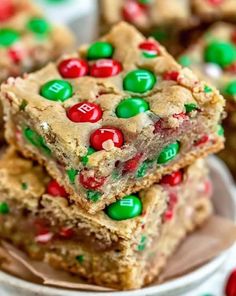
[213, 58]
[113, 118]
[146, 14]
[27, 39]
[210, 10]
[123, 247]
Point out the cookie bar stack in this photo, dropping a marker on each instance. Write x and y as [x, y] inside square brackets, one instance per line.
[119, 127]
[213, 57]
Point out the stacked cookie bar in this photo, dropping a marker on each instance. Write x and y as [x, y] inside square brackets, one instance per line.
[120, 127]
[213, 58]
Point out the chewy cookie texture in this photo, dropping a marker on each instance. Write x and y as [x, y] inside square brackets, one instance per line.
[108, 248]
[112, 118]
[27, 39]
[213, 58]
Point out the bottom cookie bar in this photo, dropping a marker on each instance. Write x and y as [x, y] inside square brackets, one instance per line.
[124, 247]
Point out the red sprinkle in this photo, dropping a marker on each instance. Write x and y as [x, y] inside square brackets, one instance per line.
[208, 188]
[233, 37]
[105, 68]
[181, 115]
[91, 182]
[84, 112]
[173, 199]
[171, 75]
[132, 11]
[131, 165]
[230, 288]
[6, 10]
[231, 68]
[15, 54]
[172, 179]
[215, 2]
[103, 134]
[73, 68]
[66, 232]
[168, 215]
[55, 189]
[204, 139]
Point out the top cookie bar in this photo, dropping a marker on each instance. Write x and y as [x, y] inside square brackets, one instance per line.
[27, 39]
[112, 118]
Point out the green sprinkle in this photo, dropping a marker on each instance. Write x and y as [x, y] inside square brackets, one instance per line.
[72, 173]
[85, 159]
[115, 175]
[185, 61]
[143, 243]
[80, 258]
[220, 131]
[207, 89]
[4, 208]
[190, 107]
[23, 105]
[38, 26]
[24, 186]
[142, 170]
[93, 195]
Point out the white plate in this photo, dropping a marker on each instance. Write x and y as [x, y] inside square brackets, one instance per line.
[225, 206]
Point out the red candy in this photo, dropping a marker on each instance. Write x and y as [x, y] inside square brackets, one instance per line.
[131, 165]
[66, 232]
[105, 68]
[204, 139]
[171, 75]
[149, 46]
[215, 2]
[84, 112]
[172, 179]
[89, 181]
[230, 288]
[104, 134]
[231, 68]
[55, 189]
[73, 68]
[6, 10]
[132, 11]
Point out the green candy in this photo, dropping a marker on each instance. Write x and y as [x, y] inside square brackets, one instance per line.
[4, 208]
[190, 107]
[72, 173]
[220, 53]
[230, 88]
[100, 50]
[160, 35]
[128, 207]
[139, 81]
[93, 195]
[168, 153]
[84, 159]
[8, 37]
[36, 140]
[185, 61]
[131, 107]
[220, 130]
[57, 90]
[38, 26]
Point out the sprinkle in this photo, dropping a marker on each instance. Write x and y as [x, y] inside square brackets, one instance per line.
[72, 173]
[80, 258]
[24, 186]
[185, 61]
[93, 195]
[4, 208]
[207, 89]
